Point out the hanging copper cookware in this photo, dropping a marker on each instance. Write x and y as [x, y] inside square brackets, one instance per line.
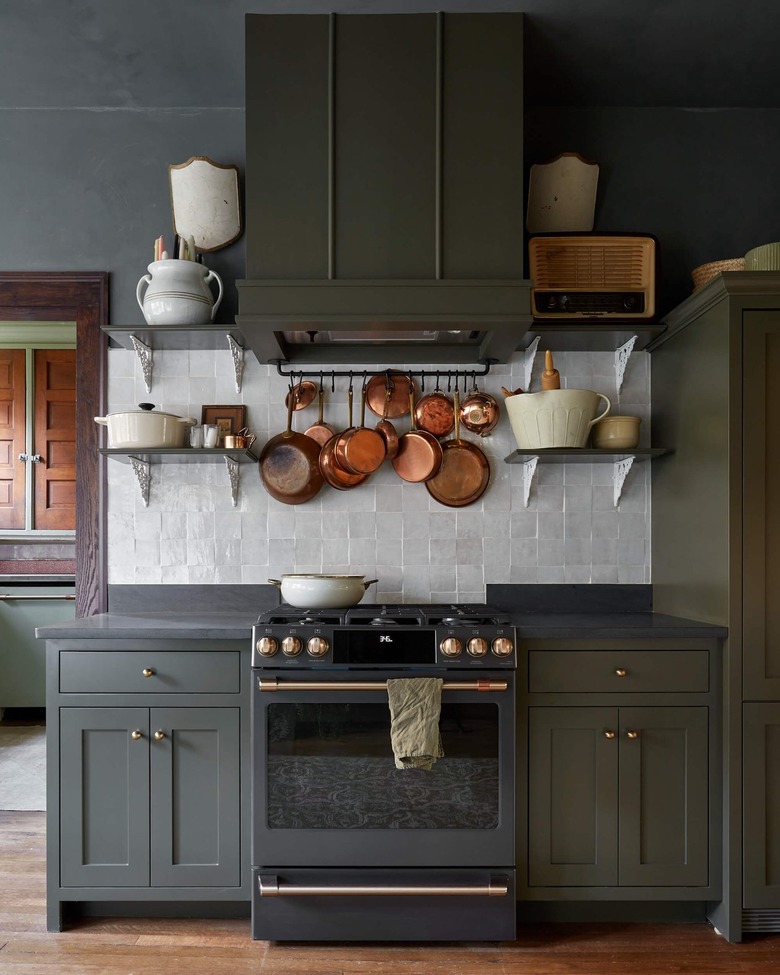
[360, 450]
[330, 468]
[289, 464]
[320, 431]
[419, 454]
[386, 429]
[376, 394]
[464, 474]
[479, 412]
[435, 412]
[302, 394]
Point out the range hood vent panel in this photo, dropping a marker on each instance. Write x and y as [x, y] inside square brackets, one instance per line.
[384, 187]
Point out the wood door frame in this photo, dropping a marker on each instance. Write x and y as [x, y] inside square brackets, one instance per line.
[80, 297]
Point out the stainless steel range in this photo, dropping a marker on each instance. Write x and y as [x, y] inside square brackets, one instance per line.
[345, 846]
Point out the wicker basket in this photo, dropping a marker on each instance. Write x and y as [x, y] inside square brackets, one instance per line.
[706, 272]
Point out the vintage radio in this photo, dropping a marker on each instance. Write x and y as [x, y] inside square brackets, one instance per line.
[593, 276]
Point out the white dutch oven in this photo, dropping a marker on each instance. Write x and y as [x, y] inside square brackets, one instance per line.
[322, 591]
[145, 427]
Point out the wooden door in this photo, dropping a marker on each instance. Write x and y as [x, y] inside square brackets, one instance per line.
[195, 818]
[104, 797]
[573, 786]
[761, 493]
[55, 439]
[663, 797]
[12, 439]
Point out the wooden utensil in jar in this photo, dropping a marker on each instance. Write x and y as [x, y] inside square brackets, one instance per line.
[419, 454]
[551, 378]
[289, 464]
[464, 474]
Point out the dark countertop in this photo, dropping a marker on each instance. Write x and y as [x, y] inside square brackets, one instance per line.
[235, 625]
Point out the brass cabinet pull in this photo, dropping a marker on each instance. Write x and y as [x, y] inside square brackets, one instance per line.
[147, 672]
[159, 735]
[135, 735]
[609, 734]
[621, 672]
[632, 735]
[270, 887]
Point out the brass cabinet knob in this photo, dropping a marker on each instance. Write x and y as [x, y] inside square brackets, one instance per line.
[609, 734]
[621, 672]
[159, 735]
[632, 735]
[135, 735]
[147, 672]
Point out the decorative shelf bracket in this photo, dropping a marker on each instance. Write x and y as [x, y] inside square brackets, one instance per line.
[620, 471]
[233, 474]
[237, 353]
[528, 366]
[622, 355]
[529, 469]
[145, 356]
[143, 475]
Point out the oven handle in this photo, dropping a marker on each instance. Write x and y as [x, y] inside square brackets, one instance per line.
[272, 684]
[269, 886]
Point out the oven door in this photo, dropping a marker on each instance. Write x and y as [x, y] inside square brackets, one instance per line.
[326, 791]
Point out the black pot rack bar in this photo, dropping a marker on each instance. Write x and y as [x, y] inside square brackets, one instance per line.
[392, 374]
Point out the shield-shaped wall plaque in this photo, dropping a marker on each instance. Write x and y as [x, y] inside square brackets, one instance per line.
[205, 202]
[562, 194]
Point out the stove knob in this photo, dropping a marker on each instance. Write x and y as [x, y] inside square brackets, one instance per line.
[267, 646]
[502, 646]
[317, 646]
[291, 646]
[451, 646]
[477, 646]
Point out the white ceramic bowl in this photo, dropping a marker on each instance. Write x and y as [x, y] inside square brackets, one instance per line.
[315, 591]
[554, 417]
[616, 433]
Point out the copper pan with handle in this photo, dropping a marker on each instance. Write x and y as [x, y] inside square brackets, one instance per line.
[435, 412]
[376, 394]
[464, 474]
[320, 431]
[385, 428]
[360, 450]
[419, 454]
[289, 464]
[330, 468]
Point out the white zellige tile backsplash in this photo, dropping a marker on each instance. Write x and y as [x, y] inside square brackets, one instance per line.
[387, 529]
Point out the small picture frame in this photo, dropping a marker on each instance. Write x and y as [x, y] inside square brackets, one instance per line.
[229, 419]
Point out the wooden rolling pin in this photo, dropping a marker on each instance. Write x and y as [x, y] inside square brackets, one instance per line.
[551, 378]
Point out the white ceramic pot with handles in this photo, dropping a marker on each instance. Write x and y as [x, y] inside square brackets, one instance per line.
[554, 417]
[145, 427]
[178, 293]
[317, 591]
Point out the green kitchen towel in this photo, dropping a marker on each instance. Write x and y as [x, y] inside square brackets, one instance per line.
[415, 705]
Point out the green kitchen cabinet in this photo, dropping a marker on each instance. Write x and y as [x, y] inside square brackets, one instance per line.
[761, 806]
[23, 606]
[147, 778]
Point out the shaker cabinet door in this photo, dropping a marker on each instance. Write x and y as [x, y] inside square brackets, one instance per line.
[663, 797]
[104, 802]
[195, 814]
[573, 767]
[761, 811]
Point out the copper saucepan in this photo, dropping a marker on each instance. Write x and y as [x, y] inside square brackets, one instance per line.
[386, 429]
[360, 450]
[330, 468]
[464, 473]
[320, 431]
[435, 412]
[289, 464]
[419, 454]
[479, 412]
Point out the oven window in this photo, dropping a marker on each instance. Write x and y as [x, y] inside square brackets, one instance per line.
[330, 766]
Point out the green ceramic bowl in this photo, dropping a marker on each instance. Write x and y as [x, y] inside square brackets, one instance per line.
[763, 258]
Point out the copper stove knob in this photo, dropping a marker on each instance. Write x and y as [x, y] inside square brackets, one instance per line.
[317, 646]
[267, 646]
[502, 646]
[292, 646]
[477, 646]
[451, 646]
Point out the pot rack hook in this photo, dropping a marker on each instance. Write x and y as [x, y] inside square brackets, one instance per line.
[422, 380]
[333, 381]
[389, 384]
[365, 380]
[350, 381]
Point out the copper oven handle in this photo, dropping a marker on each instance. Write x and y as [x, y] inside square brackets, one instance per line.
[7, 596]
[269, 887]
[272, 684]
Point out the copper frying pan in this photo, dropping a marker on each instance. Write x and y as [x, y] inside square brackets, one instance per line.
[360, 450]
[289, 464]
[330, 468]
[464, 473]
[320, 431]
[419, 454]
[386, 429]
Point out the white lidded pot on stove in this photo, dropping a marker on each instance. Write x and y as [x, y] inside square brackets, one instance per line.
[318, 591]
[145, 427]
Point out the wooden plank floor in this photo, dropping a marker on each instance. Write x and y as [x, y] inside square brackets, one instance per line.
[158, 946]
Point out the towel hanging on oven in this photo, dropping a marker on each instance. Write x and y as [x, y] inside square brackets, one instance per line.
[415, 707]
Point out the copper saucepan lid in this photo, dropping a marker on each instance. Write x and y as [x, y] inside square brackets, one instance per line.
[479, 411]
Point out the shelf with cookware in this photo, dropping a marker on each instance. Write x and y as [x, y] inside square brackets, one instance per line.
[142, 459]
[144, 340]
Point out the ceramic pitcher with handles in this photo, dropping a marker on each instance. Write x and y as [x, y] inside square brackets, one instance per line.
[178, 293]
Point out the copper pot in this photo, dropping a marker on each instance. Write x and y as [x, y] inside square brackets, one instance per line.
[359, 450]
[479, 412]
[435, 413]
